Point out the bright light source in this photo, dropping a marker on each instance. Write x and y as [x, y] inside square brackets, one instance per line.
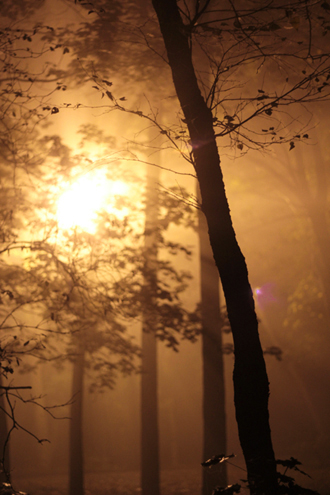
[79, 203]
[118, 188]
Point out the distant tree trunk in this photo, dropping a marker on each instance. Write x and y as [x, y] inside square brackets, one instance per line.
[76, 470]
[4, 453]
[214, 412]
[251, 388]
[150, 478]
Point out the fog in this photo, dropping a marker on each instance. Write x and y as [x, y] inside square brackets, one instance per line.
[87, 286]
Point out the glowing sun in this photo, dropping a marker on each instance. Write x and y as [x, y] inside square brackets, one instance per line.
[80, 202]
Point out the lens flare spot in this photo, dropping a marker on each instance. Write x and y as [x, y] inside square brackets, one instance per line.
[265, 294]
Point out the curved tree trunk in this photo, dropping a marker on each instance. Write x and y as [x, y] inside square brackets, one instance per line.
[214, 412]
[251, 388]
[76, 470]
[150, 479]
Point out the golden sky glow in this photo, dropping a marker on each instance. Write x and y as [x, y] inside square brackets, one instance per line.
[80, 201]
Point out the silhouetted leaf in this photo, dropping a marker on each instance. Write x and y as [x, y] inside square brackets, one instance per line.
[229, 118]
[283, 478]
[229, 490]
[289, 463]
[274, 351]
[217, 459]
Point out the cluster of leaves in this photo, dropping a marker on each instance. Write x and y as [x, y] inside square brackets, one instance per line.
[23, 105]
[62, 291]
[306, 303]
[109, 38]
[89, 284]
[306, 311]
[93, 285]
[287, 484]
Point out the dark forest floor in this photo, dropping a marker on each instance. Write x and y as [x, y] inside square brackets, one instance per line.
[173, 482]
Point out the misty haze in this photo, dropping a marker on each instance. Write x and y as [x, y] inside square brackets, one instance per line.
[164, 247]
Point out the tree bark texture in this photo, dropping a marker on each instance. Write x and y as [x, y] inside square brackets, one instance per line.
[251, 387]
[150, 479]
[76, 465]
[214, 411]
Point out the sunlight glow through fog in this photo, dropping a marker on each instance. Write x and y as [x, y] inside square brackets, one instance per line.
[80, 202]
